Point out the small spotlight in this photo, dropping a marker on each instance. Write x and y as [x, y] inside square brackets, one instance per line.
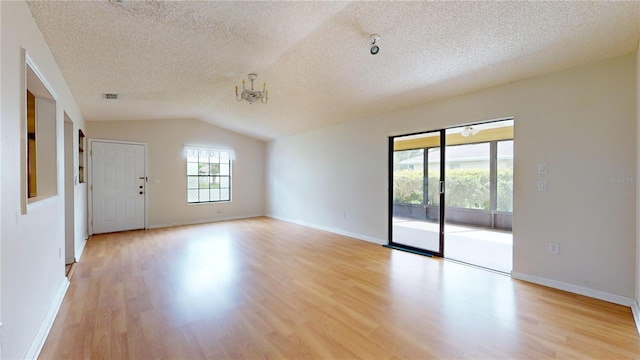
[374, 48]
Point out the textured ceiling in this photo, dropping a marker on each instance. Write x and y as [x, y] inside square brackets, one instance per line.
[183, 59]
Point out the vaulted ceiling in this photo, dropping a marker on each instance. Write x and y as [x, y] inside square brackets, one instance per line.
[183, 59]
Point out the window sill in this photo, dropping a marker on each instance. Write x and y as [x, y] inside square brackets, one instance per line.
[38, 202]
[209, 202]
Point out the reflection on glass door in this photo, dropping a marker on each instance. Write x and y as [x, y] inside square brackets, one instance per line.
[416, 197]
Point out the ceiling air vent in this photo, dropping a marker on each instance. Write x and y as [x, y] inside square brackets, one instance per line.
[110, 96]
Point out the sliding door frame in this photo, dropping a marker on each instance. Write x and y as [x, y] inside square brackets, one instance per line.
[441, 188]
[443, 145]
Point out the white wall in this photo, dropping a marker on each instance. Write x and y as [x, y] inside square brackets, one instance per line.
[580, 122]
[638, 186]
[167, 164]
[81, 213]
[1, 167]
[80, 192]
[69, 172]
[46, 123]
[31, 245]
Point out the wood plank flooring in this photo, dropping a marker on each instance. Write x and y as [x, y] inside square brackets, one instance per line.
[262, 288]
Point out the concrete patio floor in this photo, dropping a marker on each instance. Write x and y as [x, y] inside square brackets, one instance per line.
[488, 248]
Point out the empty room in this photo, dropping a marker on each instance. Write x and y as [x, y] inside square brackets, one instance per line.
[325, 180]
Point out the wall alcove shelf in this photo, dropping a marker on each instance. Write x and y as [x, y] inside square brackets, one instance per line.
[81, 156]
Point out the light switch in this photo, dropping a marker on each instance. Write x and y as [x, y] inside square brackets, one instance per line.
[542, 168]
[542, 185]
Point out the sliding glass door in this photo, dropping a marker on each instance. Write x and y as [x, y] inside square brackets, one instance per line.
[451, 193]
[416, 222]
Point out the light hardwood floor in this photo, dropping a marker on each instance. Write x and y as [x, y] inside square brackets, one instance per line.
[263, 288]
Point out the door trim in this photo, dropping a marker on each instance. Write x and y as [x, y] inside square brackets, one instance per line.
[90, 141]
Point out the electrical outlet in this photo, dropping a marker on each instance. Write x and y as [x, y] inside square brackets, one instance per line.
[553, 248]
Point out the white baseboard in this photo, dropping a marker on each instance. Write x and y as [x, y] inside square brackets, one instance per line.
[204, 221]
[332, 230]
[636, 314]
[45, 327]
[580, 290]
[81, 250]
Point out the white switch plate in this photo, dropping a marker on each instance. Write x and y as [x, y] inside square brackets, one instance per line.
[553, 248]
[542, 168]
[542, 185]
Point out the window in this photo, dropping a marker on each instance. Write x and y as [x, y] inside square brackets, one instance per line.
[208, 175]
[468, 180]
[505, 176]
[407, 176]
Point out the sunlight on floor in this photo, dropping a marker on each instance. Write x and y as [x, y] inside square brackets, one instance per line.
[483, 247]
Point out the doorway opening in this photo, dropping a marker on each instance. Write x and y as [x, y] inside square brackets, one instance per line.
[452, 194]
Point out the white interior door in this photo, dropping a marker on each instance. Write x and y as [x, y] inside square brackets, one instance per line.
[119, 187]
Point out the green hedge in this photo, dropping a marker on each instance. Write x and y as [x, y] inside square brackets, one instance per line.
[465, 188]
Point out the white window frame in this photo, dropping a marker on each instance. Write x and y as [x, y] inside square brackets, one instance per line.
[199, 171]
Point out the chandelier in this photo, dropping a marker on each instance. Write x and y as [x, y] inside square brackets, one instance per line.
[252, 95]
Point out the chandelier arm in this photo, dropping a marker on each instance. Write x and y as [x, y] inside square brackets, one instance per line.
[264, 94]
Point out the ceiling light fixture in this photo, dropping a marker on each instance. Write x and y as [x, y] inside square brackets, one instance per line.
[469, 130]
[374, 39]
[252, 95]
